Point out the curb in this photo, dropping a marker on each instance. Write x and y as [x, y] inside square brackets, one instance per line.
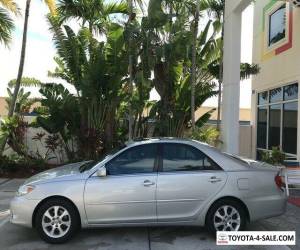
[4, 181]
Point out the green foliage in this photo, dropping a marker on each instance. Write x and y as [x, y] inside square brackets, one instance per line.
[97, 71]
[159, 45]
[6, 22]
[209, 135]
[53, 145]
[26, 82]
[13, 129]
[9, 165]
[6, 27]
[274, 157]
[59, 114]
[95, 13]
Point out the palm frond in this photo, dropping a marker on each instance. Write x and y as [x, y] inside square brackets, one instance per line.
[51, 5]
[11, 6]
[249, 69]
[6, 27]
[204, 118]
[115, 8]
[26, 82]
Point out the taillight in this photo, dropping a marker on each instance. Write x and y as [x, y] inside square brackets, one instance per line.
[279, 182]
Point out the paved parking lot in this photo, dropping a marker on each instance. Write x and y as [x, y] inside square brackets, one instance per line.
[161, 238]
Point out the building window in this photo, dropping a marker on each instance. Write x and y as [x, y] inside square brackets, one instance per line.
[263, 98]
[289, 131]
[291, 92]
[262, 119]
[277, 116]
[277, 25]
[274, 126]
[275, 95]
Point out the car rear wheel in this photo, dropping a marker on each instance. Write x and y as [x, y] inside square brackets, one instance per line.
[226, 215]
[57, 221]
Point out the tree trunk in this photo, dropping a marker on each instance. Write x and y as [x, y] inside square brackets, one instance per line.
[194, 53]
[220, 71]
[20, 71]
[130, 113]
[22, 61]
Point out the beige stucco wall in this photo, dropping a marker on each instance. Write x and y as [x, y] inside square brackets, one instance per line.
[278, 70]
[3, 110]
[245, 114]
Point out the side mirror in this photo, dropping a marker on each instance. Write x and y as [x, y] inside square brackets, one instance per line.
[101, 172]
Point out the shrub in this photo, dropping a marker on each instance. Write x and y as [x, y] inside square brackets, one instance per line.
[209, 135]
[274, 157]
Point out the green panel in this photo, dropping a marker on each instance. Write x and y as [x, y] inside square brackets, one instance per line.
[268, 6]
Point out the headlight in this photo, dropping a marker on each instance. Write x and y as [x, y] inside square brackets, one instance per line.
[26, 189]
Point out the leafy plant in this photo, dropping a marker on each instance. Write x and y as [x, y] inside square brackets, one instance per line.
[6, 22]
[274, 157]
[53, 145]
[13, 129]
[209, 135]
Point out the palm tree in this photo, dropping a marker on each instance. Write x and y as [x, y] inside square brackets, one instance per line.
[97, 71]
[194, 66]
[95, 13]
[6, 23]
[51, 6]
[217, 7]
[131, 17]
[130, 69]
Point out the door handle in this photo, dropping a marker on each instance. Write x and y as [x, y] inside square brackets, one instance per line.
[214, 179]
[148, 183]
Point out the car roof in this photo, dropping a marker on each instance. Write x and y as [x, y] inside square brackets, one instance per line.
[140, 141]
[224, 160]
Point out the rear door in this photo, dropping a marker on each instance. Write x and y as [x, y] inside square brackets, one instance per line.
[186, 180]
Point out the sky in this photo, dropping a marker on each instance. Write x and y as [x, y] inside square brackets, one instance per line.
[40, 52]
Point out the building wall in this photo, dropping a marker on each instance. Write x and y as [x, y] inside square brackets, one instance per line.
[280, 65]
[3, 105]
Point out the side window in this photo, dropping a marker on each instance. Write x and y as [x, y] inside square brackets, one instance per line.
[139, 159]
[180, 157]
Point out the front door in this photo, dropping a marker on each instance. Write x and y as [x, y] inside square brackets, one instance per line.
[186, 182]
[127, 193]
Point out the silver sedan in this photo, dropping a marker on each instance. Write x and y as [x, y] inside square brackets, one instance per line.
[149, 183]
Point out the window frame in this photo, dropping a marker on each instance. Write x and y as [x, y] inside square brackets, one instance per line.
[160, 159]
[270, 14]
[267, 105]
[155, 165]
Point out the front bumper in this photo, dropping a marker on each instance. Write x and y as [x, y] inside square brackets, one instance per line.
[21, 210]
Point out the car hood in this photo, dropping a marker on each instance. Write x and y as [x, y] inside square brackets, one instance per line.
[66, 171]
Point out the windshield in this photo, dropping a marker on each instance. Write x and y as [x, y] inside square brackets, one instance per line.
[87, 166]
[90, 164]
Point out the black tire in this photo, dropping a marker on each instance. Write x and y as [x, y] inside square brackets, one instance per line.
[218, 204]
[74, 220]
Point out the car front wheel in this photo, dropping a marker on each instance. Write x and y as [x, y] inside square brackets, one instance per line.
[57, 221]
[226, 215]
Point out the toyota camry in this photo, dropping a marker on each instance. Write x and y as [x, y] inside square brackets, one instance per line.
[149, 183]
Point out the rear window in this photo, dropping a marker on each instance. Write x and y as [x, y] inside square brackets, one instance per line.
[239, 159]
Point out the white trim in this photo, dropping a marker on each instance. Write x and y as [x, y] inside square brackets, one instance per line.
[270, 12]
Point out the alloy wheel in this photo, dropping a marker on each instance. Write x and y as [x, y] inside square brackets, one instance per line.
[227, 218]
[56, 221]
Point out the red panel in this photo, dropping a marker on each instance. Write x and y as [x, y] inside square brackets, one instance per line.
[290, 42]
